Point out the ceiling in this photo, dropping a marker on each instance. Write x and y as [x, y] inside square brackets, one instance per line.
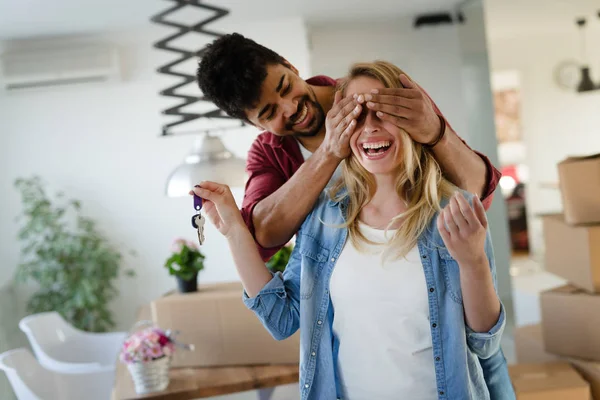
[33, 18]
[30, 18]
[508, 18]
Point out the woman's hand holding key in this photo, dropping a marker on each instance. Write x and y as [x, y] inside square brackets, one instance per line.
[222, 211]
[220, 207]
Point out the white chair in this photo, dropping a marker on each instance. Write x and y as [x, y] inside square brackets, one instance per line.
[31, 381]
[60, 347]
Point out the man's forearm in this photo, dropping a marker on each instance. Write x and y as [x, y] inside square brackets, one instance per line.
[461, 165]
[277, 217]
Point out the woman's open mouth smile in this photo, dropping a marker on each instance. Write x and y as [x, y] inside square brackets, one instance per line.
[376, 150]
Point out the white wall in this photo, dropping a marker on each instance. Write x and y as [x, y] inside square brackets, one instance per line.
[481, 132]
[450, 64]
[101, 144]
[555, 123]
[430, 56]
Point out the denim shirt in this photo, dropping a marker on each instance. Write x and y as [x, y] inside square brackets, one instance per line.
[468, 364]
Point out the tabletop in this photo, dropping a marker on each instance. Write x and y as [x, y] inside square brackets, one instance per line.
[194, 383]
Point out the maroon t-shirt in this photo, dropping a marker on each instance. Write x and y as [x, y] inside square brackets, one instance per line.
[272, 160]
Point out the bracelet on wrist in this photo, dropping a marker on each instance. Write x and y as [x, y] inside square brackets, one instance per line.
[440, 135]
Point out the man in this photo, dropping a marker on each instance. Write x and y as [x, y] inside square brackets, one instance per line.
[307, 131]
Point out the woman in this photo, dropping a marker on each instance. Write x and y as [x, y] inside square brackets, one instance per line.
[407, 307]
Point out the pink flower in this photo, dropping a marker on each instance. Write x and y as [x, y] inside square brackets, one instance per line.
[155, 352]
[163, 340]
[178, 245]
[134, 344]
[152, 336]
[126, 358]
[146, 345]
[192, 245]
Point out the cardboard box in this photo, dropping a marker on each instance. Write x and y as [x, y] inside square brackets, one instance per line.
[223, 330]
[529, 345]
[571, 322]
[548, 381]
[579, 181]
[573, 252]
[590, 371]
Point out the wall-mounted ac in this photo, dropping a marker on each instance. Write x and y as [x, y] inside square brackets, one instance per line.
[20, 70]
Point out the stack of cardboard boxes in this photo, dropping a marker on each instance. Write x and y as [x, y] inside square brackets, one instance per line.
[568, 338]
[223, 331]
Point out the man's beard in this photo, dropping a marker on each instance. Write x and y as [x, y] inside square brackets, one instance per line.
[318, 119]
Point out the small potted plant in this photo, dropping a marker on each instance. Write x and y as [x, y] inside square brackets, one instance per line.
[279, 261]
[147, 354]
[184, 263]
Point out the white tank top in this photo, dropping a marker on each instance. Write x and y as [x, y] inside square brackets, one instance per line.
[381, 319]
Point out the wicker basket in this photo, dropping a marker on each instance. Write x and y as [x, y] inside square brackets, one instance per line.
[152, 376]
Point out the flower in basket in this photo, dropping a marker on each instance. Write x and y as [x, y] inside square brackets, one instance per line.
[186, 260]
[147, 345]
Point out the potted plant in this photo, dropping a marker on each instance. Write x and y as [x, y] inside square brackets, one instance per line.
[279, 261]
[184, 263]
[74, 266]
[147, 354]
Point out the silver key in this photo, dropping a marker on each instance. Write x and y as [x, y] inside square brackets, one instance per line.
[200, 220]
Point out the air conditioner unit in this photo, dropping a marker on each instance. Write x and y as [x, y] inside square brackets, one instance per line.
[58, 66]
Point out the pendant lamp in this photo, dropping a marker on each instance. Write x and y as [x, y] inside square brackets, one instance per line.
[585, 84]
[209, 158]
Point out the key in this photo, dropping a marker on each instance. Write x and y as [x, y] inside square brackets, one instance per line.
[198, 220]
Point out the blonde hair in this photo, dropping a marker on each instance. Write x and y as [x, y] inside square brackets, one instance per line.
[420, 181]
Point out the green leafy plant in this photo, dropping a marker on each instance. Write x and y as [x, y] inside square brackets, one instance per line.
[186, 260]
[278, 262]
[73, 265]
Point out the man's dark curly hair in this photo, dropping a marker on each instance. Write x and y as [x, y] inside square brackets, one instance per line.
[232, 71]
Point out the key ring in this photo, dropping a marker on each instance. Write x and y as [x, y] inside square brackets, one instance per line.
[198, 219]
[197, 207]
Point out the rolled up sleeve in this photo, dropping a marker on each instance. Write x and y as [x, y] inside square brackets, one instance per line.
[262, 299]
[277, 305]
[493, 176]
[486, 344]
[263, 180]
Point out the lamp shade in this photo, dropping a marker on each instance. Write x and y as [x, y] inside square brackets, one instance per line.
[209, 161]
